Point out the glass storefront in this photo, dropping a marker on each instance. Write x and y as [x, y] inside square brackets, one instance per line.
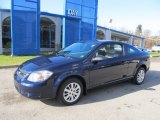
[48, 28]
[6, 33]
[47, 33]
[100, 35]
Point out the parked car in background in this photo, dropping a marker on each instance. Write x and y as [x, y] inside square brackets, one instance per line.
[149, 50]
[80, 67]
[156, 48]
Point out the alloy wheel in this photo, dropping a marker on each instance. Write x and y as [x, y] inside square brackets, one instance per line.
[72, 92]
[140, 76]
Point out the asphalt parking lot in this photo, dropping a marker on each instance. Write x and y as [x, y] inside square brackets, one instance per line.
[123, 101]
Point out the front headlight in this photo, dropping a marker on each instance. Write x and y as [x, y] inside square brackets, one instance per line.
[39, 76]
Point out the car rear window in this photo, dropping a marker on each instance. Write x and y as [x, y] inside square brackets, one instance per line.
[131, 50]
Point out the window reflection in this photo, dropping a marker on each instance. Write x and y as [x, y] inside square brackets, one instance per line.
[6, 33]
[47, 33]
[100, 35]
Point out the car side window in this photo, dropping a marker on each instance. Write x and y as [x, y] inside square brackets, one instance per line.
[131, 50]
[110, 51]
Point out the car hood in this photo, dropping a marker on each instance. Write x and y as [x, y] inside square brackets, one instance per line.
[46, 61]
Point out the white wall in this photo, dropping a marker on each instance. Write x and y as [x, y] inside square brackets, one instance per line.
[143, 43]
[131, 40]
[5, 14]
[106, 32]
[108, 35]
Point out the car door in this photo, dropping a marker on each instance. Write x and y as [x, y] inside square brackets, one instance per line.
[133, 58]
[113, 67]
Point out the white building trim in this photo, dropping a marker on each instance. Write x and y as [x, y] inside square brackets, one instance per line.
[131, 39]
[108, 35]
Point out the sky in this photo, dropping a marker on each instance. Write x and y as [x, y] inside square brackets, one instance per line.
[128, 14]
[125, 14]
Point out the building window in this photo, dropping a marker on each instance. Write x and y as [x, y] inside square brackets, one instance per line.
[47, 33]
[100, 35]
[6, 33]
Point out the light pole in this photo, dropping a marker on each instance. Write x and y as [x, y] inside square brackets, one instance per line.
[110, 23]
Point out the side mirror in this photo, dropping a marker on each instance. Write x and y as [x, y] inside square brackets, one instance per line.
[98, 59]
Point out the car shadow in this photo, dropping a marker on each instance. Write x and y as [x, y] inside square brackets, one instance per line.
[109, 92]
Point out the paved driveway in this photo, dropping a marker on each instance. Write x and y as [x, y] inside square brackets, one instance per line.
[124, 101]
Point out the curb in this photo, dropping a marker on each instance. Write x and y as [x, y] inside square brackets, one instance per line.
[6, 67]
[155, 56]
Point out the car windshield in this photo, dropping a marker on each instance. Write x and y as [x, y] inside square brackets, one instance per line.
[78, 50]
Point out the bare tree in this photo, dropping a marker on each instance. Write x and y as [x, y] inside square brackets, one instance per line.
[139, 30]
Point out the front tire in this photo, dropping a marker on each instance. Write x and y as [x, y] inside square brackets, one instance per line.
[139, 76]
[70, 91]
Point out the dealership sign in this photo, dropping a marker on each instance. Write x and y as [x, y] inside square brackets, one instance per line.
[72, 12]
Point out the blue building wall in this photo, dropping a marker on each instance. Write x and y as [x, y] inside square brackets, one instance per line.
[25, 25]
[79, 23]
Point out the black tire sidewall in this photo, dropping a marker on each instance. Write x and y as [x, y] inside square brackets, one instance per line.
[62, 87]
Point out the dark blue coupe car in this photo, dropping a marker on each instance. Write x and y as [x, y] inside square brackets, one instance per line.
[77, 68]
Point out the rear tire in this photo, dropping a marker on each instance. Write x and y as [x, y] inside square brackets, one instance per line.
[139, 76]
[70, 91]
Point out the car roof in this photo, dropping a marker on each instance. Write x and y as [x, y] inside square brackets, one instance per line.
[103, 41]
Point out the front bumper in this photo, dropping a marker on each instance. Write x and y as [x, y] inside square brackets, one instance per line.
[35, 91]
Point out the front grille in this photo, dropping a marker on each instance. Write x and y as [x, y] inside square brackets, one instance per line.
[21, 73]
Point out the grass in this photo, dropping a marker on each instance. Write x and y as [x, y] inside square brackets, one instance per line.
[155, 54]
[49, 53]
[7, 60]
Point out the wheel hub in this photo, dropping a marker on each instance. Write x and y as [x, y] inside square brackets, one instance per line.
[72, 92]
[140, 76]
